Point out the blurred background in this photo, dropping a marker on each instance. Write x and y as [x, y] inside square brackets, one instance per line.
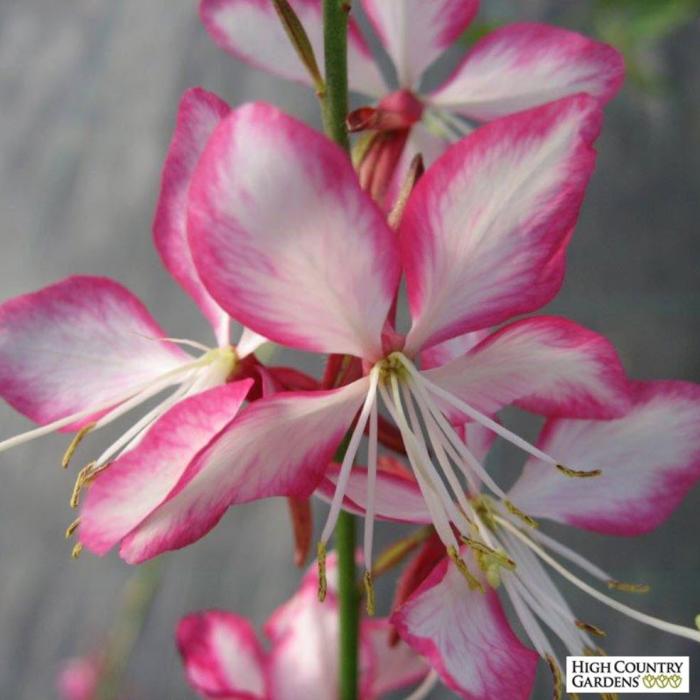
[88, 95]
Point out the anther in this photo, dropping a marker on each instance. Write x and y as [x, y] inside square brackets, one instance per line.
[592, 629]
[472, 581]
[514, 510]
[70, 530]
[609, 696]
[369, 593]
[558, 692]
[84, 476]
[697, 621]
[77, 550]
[578, 473]
[77, 439]
[322, 581]
[499, 555]
[629, 587]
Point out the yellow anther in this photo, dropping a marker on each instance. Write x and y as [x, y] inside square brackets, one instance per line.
[558, 691]
[369, 593]
[472, 581]
[629, 587]
[392, 366]
[593, 651]
[592, 629]
[514, 510]
[70, 530]
[578, 473]
[77, 550]
[573, 696]
[609, 696]
[485, 510]
[84, 477]
[498, 554]
[77, 439]
[697, 621]
[322, 581]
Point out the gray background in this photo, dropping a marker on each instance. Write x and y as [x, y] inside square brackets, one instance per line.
[88, 92]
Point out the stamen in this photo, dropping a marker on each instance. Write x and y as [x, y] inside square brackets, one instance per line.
[591, 629]
[629, 587]
[500, 556]
[472, 581]
[322, 580]
[669, 627]
[578, 473]
[480, 417]
[528, 620]
[371, 487]
[77, 550]
[558, 691]
[514, 510]
[571, 555]
[84, 476]
[77, 439]
[70, 530]
[425, 688]
[348, 459]
[369, 593]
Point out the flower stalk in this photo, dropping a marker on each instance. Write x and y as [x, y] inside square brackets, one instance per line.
[335, 109]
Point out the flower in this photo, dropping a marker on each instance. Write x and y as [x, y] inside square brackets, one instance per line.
[78, 678]
[650, 458]
[513, 68]
[83, 352]
[223, 657]
[286, 241]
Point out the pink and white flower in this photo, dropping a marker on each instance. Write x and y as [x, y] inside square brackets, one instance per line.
[224, 659]
[81, 353]
[287, 242]
[511, 69]
[650, 459]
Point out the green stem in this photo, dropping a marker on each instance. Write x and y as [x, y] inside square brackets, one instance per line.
[348, 593]
[335, 109]
[335, 46]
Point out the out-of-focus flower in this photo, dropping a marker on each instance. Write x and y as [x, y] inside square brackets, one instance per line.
[78, 678]
[511, 69]
[224, 659]
[650, 458]
[286, 240]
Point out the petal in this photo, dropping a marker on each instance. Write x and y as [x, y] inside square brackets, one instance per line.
[525, 65]
[252, 32]
[397, 496]
[79, 343]
[466, 638]
[279, 446]
[303, 659]
[546, 364]
[484, 234]
[222, 655]
[139, 481]
[286, 240]
[394, 665]
[414, 32]
[650, 459]
[199, 113]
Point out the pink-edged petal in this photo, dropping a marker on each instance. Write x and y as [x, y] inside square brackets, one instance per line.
[140, 480]
[222, 655]
[415, 32]
[545, 364]
[466, 638]
[525, 65]
[303, 659]
[285, 239]
[278, 446]
[650, 459]
[484, 234]
[397, 496]
[393, 666]
[80, 343]
[252, 32]
[198, 115]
